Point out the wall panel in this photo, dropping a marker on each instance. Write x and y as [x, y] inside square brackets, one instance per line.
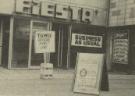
[6, 6]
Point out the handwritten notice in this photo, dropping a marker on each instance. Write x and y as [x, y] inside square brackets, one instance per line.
[88, 73]
[86, 40]
[45, 42]
[120, 48]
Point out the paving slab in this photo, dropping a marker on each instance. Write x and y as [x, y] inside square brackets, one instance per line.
[28, 83]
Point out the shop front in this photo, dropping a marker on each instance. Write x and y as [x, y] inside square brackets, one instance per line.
[87, 39]
[123, 51]
[18, 47]
[27, 17]
[18, 42]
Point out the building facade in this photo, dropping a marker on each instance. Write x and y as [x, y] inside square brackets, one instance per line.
[121, 35]
[80, 20]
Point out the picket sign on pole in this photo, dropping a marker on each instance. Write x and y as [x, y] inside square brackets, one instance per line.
[45, 43]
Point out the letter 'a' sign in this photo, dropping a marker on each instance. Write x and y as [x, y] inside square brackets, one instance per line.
[88, 73]
[45, 42]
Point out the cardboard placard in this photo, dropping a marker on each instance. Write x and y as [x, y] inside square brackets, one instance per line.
[44, 42]
[86, 40]
[88, 73]
[120, 47]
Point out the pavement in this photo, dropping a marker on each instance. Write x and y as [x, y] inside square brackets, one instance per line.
[28, 83]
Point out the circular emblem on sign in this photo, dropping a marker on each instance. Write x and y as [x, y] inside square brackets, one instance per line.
[83, 72]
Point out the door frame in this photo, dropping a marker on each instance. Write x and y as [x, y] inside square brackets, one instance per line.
[30, 41]
[11, 30]
[50, 24]
[11, 34]
[60, 44]
[1, 39]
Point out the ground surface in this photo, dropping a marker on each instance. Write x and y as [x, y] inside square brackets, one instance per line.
[28, 83]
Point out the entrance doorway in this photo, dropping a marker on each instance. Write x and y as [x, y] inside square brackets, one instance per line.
[60, 57]
[23, 50]
[36, 58]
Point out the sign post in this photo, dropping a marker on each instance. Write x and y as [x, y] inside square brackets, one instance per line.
[45, 43]
[88, 73]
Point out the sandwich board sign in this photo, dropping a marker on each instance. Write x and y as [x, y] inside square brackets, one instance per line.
[88, 73]
[44, 41]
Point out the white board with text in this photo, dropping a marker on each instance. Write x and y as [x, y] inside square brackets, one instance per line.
[88, 73]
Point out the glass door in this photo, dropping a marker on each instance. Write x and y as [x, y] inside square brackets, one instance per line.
[36, 58]
[59, 58]
[20, 50]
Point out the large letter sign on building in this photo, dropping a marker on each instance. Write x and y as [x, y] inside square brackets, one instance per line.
[48, 9]
[88, 73]
[54, 10]
[45, 42]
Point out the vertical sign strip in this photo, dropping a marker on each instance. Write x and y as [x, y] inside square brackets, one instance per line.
[120, 47]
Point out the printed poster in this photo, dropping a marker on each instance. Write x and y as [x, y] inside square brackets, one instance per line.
[120, 48]
[44, 41]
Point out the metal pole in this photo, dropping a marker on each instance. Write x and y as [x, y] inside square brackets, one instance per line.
[10, 42]
[69, 46]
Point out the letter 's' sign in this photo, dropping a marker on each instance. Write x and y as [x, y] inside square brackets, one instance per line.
[50, 9]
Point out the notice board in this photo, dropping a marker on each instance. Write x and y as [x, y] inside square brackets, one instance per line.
[120, 47]
[44, 41]
[88, 73]
[86, 40]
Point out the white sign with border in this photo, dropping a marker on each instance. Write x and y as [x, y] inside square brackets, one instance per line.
[86, 40]
[44, 41]
[88, 73]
